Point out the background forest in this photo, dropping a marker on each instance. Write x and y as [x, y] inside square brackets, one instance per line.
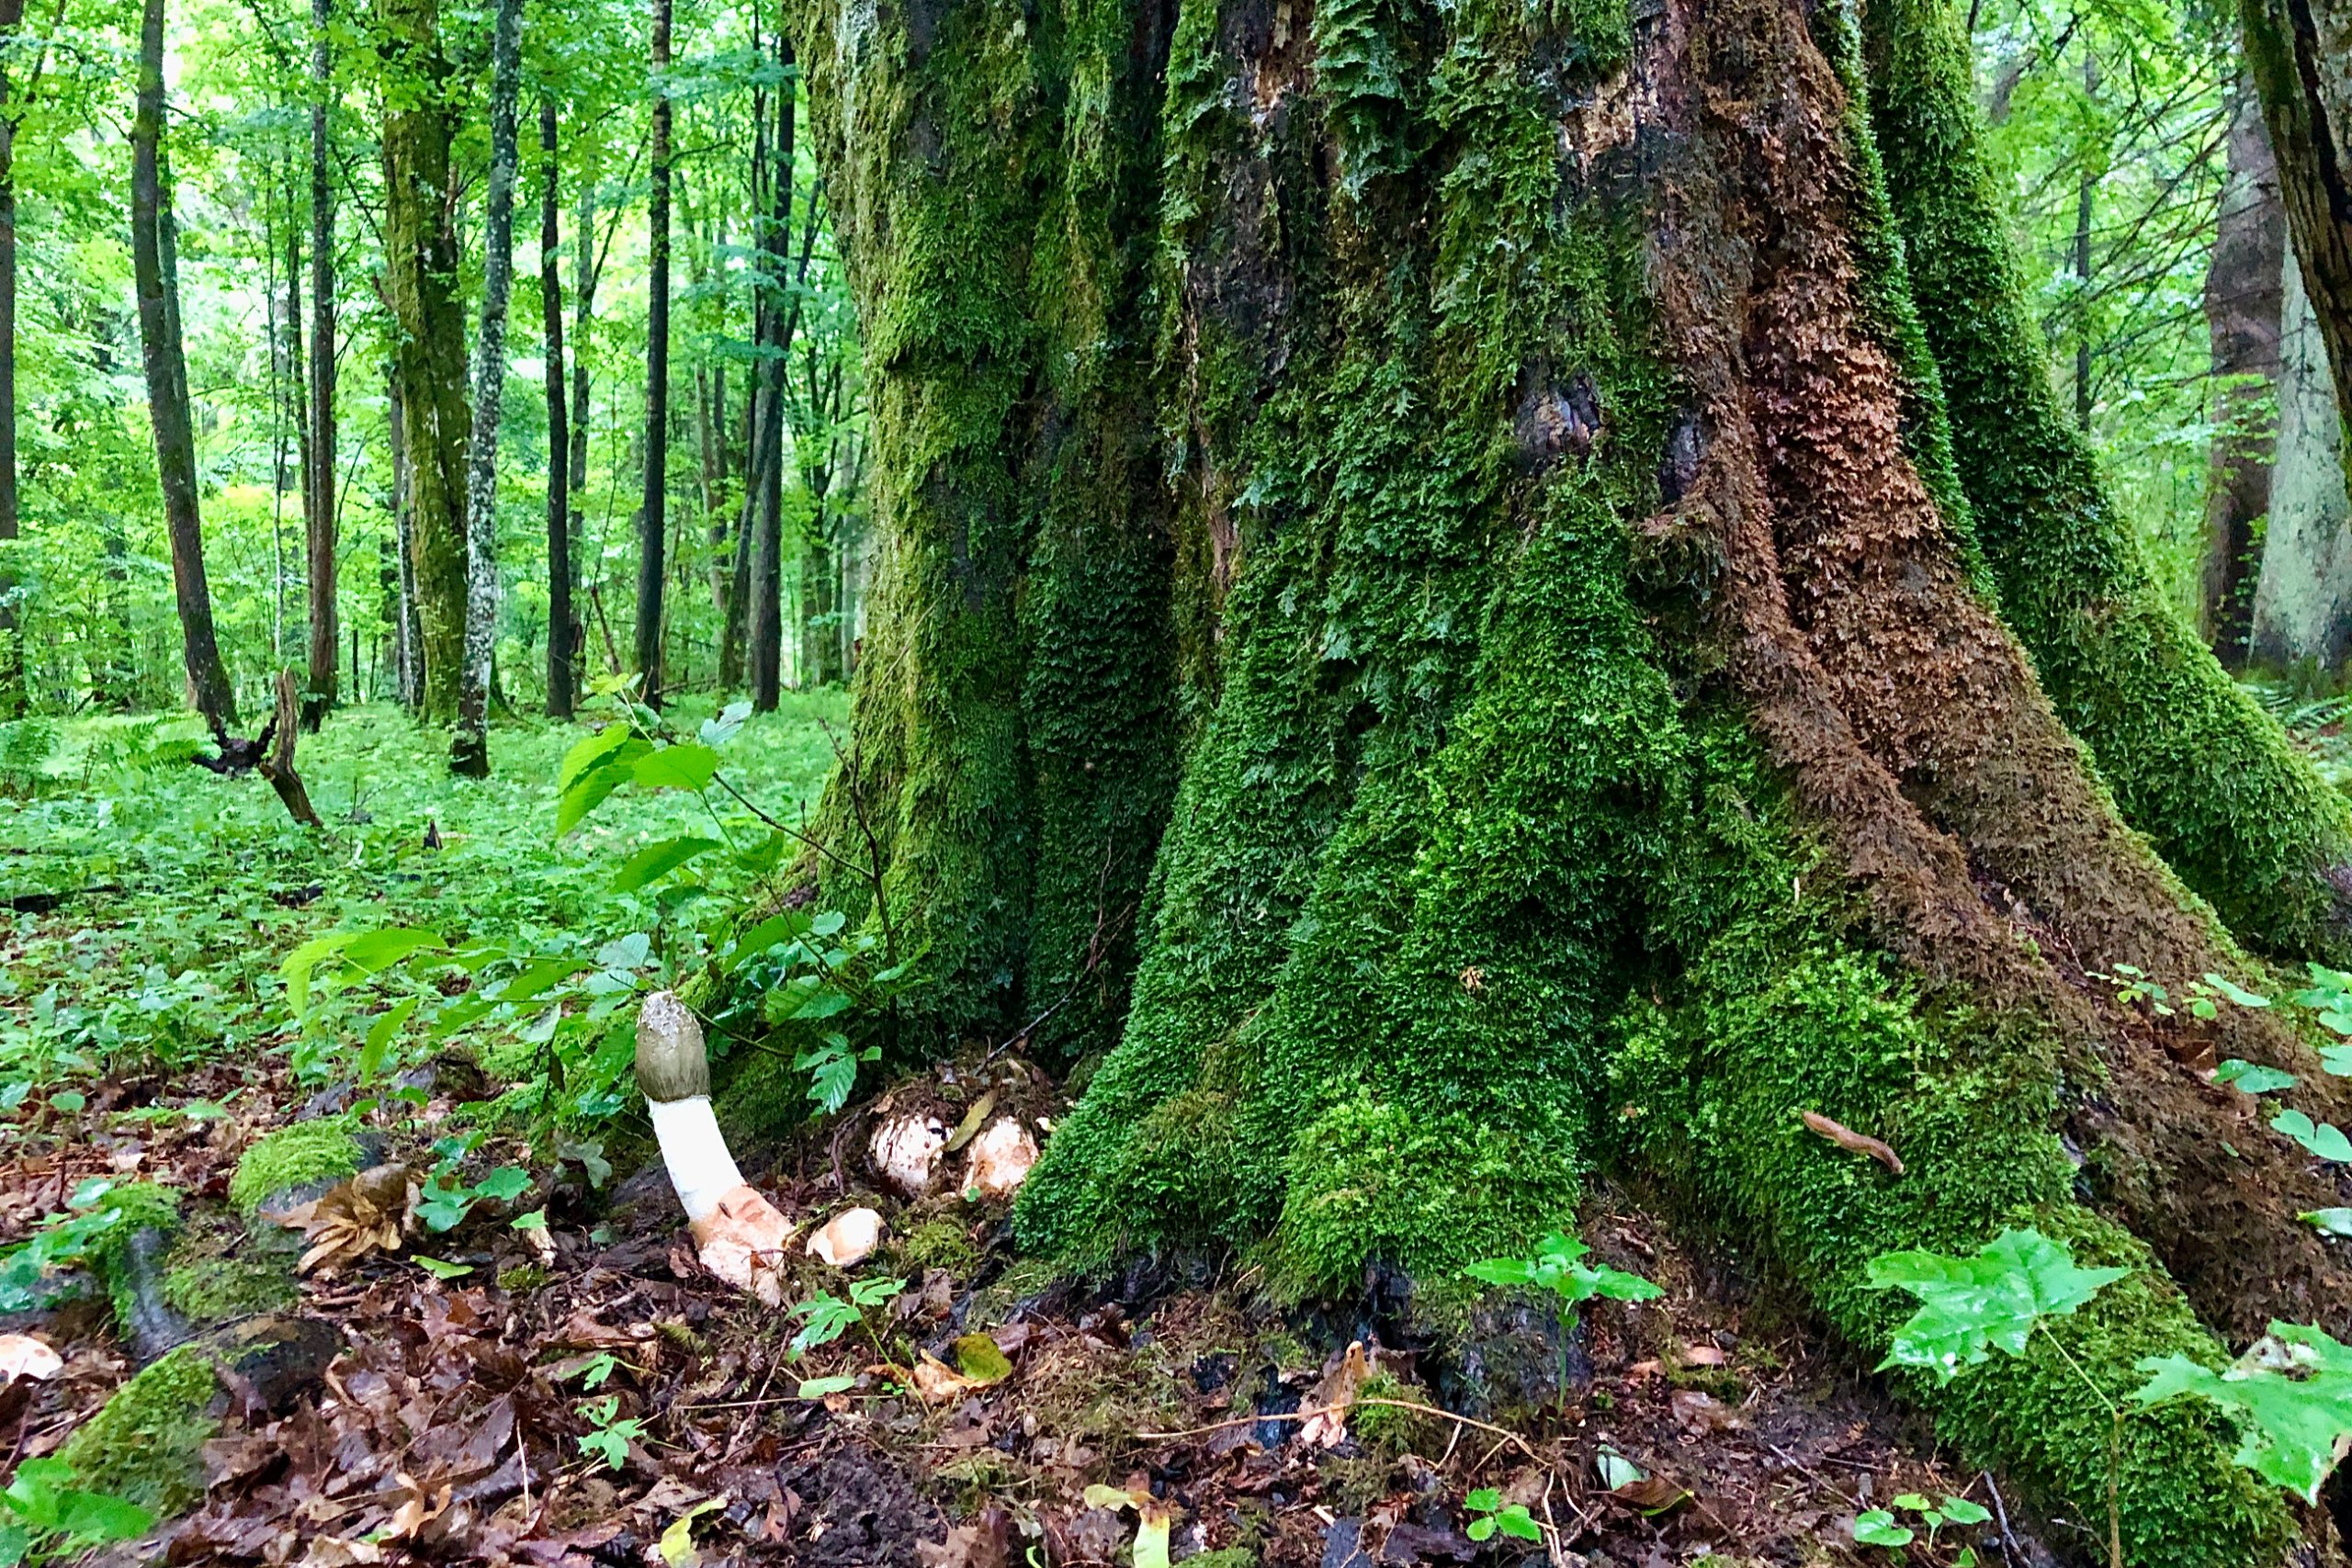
[90, 585]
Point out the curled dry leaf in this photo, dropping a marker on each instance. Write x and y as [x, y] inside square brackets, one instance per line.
[849, 1238]
[1002, 1158]
[1846, 1138]
[1333, 1398]
[907, 1151]
[741, 1242]
[22, 1356]
[367, 1214]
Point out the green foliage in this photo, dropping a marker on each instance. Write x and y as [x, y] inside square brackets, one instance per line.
[2325, 1139]
[1494, 1515]
[1558, 1267]
[63, 1239]
[825, 1317]
[55, 1518]
[1996, 1298]
[2293, 1394]
[610, 1433]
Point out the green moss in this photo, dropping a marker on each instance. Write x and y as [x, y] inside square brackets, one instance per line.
[145, 1442]
[2238, 813]
[1388, 1432]
[208, 1289]
[291, 1157]
[523, 1278]
[1779, 1009]
[1226, 1557]
[143, 1206]
[940, 1244]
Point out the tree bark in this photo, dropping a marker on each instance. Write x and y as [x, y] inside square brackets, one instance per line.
[584, 270]
[653, 517]
[12, 652]
[157, 287]
[2302, 605]
[2300, 52]
[1602, 538]
[764, 566]
[429, 351]
[469, 750]
[561, 667]
[2241, 294]
[408, 638]
[319, 489]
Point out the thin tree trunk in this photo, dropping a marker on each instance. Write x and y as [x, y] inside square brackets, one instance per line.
[429, 354]
[469, 752]
[2303, 606]
[2297, 50]
[653, 515]
[2085, 196]
[560, 697]
[2242, 322]
[583, 289]
[765, 620]
[12, 653]
[166, 370]
[321, 512]
[408, 630]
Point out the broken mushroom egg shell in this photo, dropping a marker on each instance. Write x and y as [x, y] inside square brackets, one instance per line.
[907, 1152]
[849, 1238]
[1000, 1160]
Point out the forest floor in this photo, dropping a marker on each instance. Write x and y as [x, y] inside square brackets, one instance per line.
[575, 1390]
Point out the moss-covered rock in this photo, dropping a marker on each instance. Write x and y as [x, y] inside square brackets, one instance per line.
[939, 1243]
[293, 1156]
[145, 1443]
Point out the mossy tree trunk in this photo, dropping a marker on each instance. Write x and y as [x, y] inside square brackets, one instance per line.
[2242, 321]
[429, 351]
[1555, 524]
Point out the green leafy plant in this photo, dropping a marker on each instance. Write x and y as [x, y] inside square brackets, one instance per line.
[2292, 1393]
[63, 1239]
[1558, 1265]
[1995, 1299]
[612, 1432]
[825, 1317]
[2203, 997]
[2252, 1077]
[2324, 1139]
[54, 1519]
[1496, 1515]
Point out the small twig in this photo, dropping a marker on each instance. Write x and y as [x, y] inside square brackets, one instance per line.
[2009, 1548]
[1458, 1421]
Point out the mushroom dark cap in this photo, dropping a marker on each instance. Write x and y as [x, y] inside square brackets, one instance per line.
[672, 1061]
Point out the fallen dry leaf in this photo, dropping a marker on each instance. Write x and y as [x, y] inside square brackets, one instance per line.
[1333, 1398]
[364, 1214]
[22, 1356]
[986, 1543]
[1846, 1138]
[1703, 1355]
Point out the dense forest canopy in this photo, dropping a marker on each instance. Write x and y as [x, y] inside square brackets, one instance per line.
[1305, 717]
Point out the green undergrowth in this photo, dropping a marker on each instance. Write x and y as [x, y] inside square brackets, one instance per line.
[2236, 809]
[181, 892]
[145, 1444]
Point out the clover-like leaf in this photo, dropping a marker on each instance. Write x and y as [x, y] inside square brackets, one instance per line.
[2252, 1077]
[2325, 1139]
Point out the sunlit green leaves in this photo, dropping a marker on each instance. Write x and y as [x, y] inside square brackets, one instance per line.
[658, 860]
[1557, 1266]
[1993, 1299]
[2292, 1393]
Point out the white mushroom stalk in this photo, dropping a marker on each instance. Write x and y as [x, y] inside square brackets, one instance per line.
[739, 1234]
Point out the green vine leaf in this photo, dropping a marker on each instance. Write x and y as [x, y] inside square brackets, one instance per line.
[2325, 1139]
[2293, 1392]
[1996, 1298]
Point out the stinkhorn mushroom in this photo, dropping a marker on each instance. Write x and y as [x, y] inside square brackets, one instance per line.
[739, 1234]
